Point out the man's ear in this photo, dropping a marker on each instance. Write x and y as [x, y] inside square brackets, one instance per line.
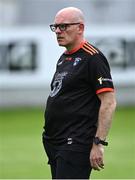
[81, 28]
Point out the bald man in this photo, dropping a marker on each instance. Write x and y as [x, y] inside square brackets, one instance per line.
[81, 103]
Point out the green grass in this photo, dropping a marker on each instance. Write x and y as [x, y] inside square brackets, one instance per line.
[21, 151]
[22, 155]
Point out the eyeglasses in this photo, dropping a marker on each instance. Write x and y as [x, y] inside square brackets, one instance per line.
[62, 26]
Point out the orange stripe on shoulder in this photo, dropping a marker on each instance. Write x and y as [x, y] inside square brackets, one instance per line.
[87, 50]
[90, 49]
[90, 46]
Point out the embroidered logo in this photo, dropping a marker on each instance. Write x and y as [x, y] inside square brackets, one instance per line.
[76, 61]
[69, 141]
[60, 63]
[68, 59]
[101, 79]
[57, 83]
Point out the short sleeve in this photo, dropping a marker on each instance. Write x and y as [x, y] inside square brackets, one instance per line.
[99, 74]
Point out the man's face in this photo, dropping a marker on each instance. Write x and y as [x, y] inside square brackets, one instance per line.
[68, 36]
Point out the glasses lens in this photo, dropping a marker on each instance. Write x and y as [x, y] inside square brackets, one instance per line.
[62, 27]
[53, 27]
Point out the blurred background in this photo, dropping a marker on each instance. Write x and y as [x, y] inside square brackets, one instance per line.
[28, 49]
[28, 55]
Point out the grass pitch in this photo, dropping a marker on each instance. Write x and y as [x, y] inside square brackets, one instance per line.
[22, 155]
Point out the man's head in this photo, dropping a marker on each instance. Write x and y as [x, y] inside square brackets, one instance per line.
[69, 27]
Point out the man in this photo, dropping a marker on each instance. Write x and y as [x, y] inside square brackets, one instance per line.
[79, 109]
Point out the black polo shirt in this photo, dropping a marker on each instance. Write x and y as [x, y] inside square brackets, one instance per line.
[72, 108]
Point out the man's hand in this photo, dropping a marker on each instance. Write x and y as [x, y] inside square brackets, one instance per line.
[96, 157]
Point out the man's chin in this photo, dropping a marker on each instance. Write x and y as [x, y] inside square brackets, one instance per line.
[61, 44]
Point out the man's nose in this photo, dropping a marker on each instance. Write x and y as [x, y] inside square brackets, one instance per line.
[57, 30]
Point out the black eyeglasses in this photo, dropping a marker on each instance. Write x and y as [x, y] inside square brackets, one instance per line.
[62, 26]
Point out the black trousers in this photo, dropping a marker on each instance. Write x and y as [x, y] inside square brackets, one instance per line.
[67, 164]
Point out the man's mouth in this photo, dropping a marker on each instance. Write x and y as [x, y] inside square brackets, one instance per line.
[60, 38]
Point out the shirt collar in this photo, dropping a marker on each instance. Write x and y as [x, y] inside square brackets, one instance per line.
[76, 49]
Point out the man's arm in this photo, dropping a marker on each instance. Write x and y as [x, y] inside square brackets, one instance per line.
[108, 105]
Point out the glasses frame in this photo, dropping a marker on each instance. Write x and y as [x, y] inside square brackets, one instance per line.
[62, 26]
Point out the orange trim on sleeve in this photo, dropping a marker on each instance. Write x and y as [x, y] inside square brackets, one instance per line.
[104, 90]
